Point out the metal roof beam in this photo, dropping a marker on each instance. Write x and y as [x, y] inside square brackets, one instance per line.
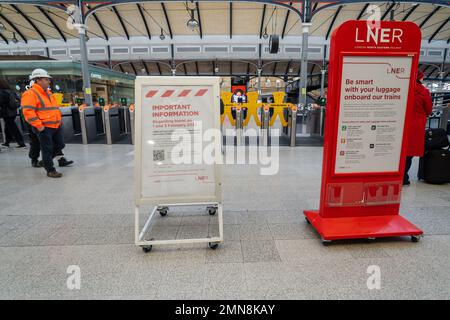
[116, 11]
[197, 6]
[29, 22]
[145, 67]
[388, 10]
[286, 21]
[274, 68]
[167, 20]
[121, 69]
[101, 26]
[262, 21]
[159, 68]
[52, 22]
[196, 67]
[410, 12]
[231, 20]
[288, 67]
[3, 37]
[14, 27]
[333, 21]
[132, 67]
[429, 16]
[361, 13]
[438, 29]
[145, 21]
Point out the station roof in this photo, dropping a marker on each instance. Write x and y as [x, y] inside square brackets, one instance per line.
[27, 20]
[44, 20]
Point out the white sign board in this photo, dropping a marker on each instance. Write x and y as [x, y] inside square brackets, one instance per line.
[172, 114]
[373, 98]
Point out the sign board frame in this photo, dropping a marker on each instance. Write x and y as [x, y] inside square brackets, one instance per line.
[364, 204]
[213, 201]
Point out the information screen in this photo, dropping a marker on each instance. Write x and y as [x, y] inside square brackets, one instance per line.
[373, 99]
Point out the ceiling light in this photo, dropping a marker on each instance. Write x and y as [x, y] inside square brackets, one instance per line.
[216, 69]
[265, 35]
[162, 36]
[192, 22]
[14, 39]
[2, 27]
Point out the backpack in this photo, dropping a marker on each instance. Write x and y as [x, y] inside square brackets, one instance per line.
[13, 101]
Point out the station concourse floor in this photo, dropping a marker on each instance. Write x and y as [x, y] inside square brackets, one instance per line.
[86, 219]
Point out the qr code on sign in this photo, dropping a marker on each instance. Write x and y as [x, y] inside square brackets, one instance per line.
[158, 155]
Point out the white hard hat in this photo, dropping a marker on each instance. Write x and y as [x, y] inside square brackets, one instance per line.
[39, 73]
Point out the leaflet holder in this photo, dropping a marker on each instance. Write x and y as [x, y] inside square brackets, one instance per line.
[366, 142]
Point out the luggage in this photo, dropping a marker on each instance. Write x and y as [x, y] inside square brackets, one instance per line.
[436, 139]
[436, 166]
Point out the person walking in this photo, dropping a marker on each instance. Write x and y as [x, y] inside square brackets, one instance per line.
[422, 109]
[9, 103]
[41, 111]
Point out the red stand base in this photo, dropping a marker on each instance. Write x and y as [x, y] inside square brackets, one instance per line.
[361, 227]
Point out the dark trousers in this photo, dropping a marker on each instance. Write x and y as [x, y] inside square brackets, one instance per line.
[52, 142]
[12, 131]
[35, 146]
[407, 167]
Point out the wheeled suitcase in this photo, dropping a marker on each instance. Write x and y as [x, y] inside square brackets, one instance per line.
[436, 139]
[436, 166]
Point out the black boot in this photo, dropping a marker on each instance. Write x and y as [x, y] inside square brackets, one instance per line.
[63, 162]
[35, 163]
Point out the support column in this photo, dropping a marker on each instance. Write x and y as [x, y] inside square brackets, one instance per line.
[84, 58]
[304, 64]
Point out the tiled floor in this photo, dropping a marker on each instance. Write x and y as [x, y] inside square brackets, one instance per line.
[86, 219]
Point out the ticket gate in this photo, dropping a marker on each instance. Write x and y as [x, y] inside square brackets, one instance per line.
[87, 124]
[67, 124]
[263, 117]
[126, 116]
[112, 124]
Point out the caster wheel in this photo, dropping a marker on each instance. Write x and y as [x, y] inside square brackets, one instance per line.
[213, 245]
[326, 242]
[415, 238]
[163, 213]
[212, 211]
[147, 249]
[307, 220]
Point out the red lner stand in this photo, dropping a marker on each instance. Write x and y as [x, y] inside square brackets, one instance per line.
[372, 74]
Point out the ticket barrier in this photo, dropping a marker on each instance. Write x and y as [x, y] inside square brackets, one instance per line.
[87, 124]
[125, 124]
[67, 123]
[112, 124]
[282, 114]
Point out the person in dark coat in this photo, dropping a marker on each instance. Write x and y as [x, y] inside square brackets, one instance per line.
[416, 139]
[9, 103]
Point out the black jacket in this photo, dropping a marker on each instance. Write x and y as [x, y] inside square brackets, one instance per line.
[7, 110]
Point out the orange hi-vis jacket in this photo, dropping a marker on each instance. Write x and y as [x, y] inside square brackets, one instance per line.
[40, 108]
